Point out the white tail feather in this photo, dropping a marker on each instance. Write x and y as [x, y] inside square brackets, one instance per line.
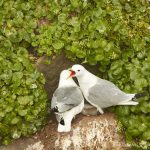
[63, 128]
[128, 103]
[68, 116]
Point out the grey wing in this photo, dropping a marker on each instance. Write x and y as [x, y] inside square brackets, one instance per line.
[66, 98]
[105, 94]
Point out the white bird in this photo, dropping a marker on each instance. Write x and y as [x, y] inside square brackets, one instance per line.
[67, 101]
[99, 92]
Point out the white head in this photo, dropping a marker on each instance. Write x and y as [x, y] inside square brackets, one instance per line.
[66, 79]
[77, 70]
[64, 74]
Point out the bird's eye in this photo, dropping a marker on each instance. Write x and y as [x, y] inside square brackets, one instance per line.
[78, 70]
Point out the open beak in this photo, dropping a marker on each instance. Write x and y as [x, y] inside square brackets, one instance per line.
[72, 73]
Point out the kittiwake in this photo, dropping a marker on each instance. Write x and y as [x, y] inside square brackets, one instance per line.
[99, 92]
[67, 101]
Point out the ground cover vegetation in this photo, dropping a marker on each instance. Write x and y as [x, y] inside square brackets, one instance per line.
[112, 34]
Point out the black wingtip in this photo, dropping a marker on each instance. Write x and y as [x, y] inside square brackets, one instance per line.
[55, 109]
[62, 122]
[139, 95]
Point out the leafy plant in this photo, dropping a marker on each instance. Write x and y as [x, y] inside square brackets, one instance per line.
[112, 34]
[23, 102]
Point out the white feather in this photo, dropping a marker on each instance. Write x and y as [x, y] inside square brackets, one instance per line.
[65, 84]
[99, 92]
[68, 116]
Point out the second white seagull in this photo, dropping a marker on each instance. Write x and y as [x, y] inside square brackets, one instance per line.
[99, 92]
[67, 101]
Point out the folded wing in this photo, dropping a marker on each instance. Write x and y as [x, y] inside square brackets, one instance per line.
[66, 98]
[105, 94]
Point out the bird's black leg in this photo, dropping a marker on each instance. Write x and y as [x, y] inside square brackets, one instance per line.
[62, 121]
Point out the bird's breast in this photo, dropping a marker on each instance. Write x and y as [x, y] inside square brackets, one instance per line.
[86, 82]
[85, 89]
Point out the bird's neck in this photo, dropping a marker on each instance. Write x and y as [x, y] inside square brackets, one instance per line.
[86, 80]
[66, 82]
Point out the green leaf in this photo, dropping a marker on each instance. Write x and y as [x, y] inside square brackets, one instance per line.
[24, 100]
[141, 82]
[62, 17]
[80, 53]
[109, 47]
[58, 44]
[128, 7]
[22, 112]
[7, 43]
[17, 67]
[142, 127]
[8, 109]
[6, 141]
[134, 74]
[2, 114]
[75, 3]
[15, 120]
[123, 111]
[92, 60]
[99, 57]
[133, 132]
[16, 134]
[146, 135]
[17, 76]
[29, 81]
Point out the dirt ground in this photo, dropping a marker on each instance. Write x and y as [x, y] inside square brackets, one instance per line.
[98, 132]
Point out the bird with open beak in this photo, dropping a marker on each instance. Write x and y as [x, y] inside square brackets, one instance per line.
[72, 73]
[67, 101]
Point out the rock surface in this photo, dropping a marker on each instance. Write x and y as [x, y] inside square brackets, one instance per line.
[99, 132]
[52, 71]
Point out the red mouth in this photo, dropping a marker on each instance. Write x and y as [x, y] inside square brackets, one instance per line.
[72, 73]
